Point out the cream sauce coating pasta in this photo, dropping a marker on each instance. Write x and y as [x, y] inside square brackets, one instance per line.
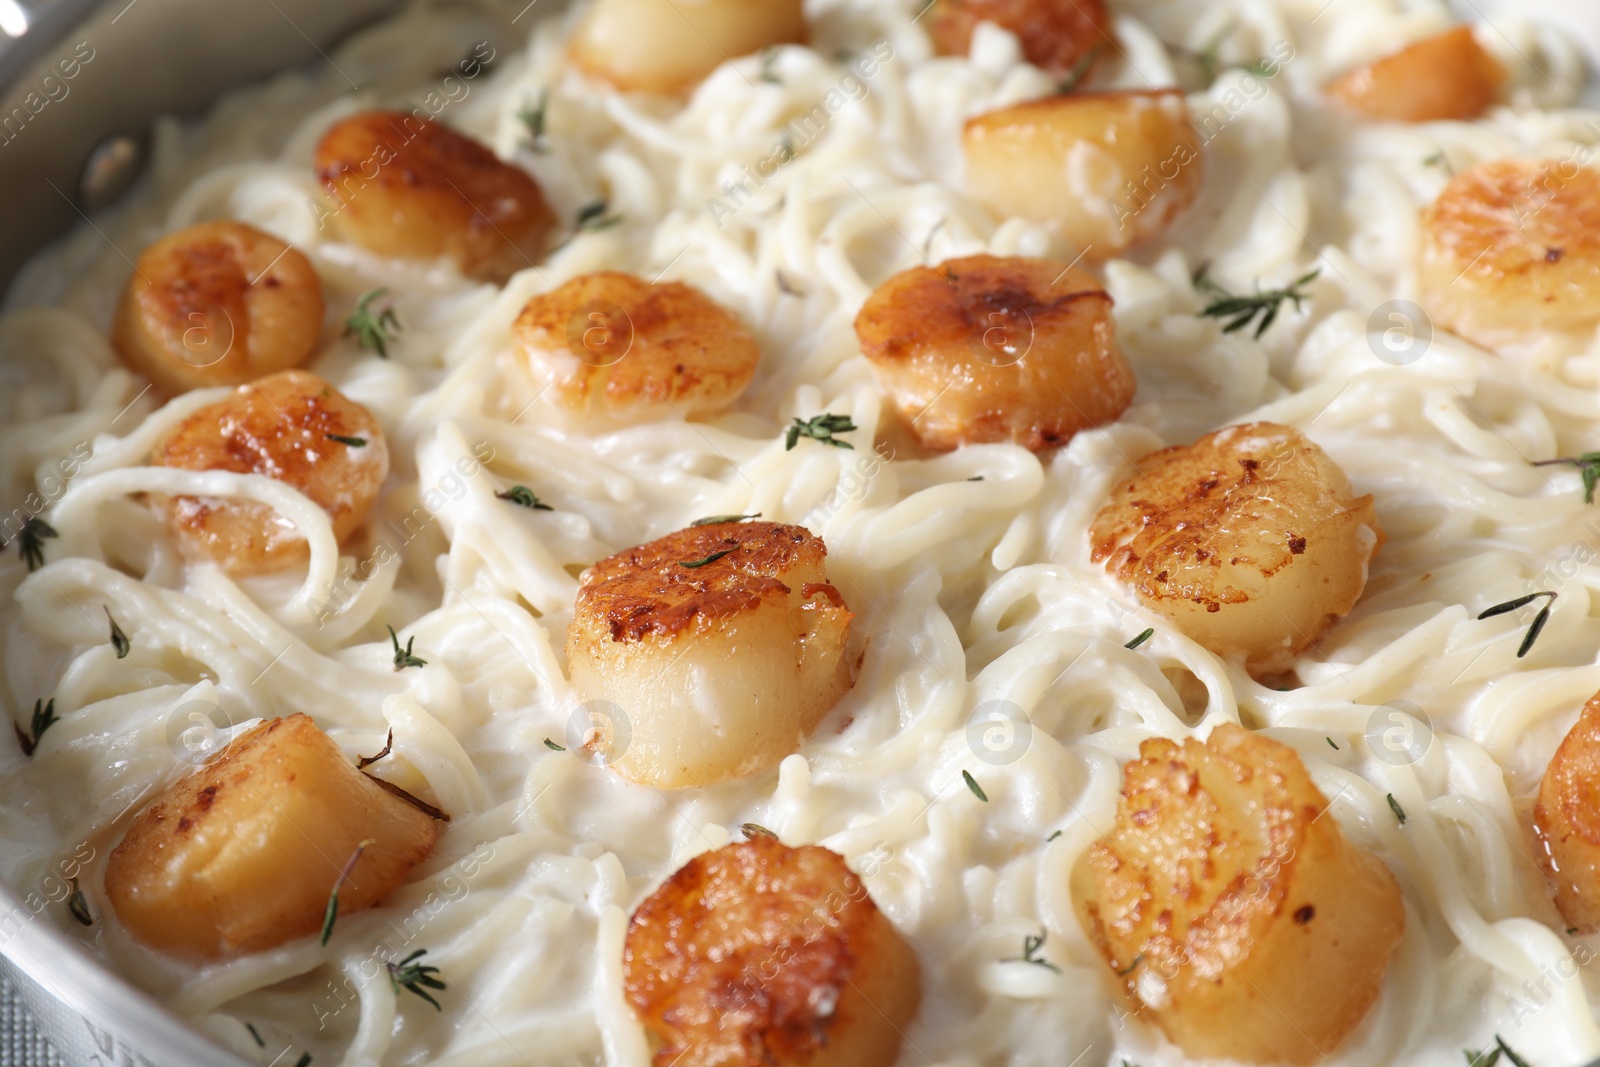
[788, 186]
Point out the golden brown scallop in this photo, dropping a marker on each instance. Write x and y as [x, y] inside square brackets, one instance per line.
[761, 955]
[1231, 911]
[1056, 35]
[293, 427]
[409, 187]
[1566, 821]
[1447, 76]
[1251, 540]
[1108, 169]
[1511, 248]
[985, 349]
[218, 303]
[668, 46]
[722, 646]
[241, 855]
[615, 348]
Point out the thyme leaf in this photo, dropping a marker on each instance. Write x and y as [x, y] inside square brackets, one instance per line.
[403, 657]
[1331, 744]
[754, 829]
[1394, 806]
[30, 542]
[820, 428]
[977, 790]
[1588, 465]
[44, 717]
[373, 323]
[553, 747]
[78, 904]
[350, 442]
[1539, 620]
[1142, 638]
[717, 520]
[522, 496]
[119, 640]
[411, 975]
[331, 914]
[698, 563]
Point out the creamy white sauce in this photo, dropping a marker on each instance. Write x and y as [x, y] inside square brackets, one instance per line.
[969, 593]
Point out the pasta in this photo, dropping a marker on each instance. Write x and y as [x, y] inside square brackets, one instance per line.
[786, 187]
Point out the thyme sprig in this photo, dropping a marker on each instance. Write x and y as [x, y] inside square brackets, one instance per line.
[403, 657]
[716, 520]
[524, 497]
[1536, 627]
[535, 119]
[388, 746]
[331, 914]
[373, 323]
[30, 542]
[411, 975]
[1032, 944]
[1241, 311]
[119, 640]
[44, 717]
[820, 428]
[1588, 465]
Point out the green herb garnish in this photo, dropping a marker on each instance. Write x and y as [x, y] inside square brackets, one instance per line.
[1031, 945]
[1588, 466]
[119, 640]
[755, 829]
[553, 747]
[402, 656]
[373, 321]
[251, 1027]
[1141, 639]
[1240, 311]
[78, 904]
[1131, 965]
[534, 119]
[352, 442]
[413, 976]
[44, 717]
[977, 790]
[820, 428]
[1331, 744]
[331, 914]
[522, 496]
[1394, 806]
[1539, 620]
[716, 520]
[698, 563]
[30, 542]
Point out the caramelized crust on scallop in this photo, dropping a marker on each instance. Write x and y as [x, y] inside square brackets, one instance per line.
[1447, 76]
[720, 668]
[986, 348]
[1566, 821]
[218, 303]
[1230, 910]
[288, 427]
[614, 346]
[668, 46]
[1512, 248]
[405, 186]
[1251, 540]
[759, 955]
[1055, 35]
[242, 854]
[1109, 170]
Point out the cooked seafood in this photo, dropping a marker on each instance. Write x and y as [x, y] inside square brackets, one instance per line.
[1447, 76]
[666, 46]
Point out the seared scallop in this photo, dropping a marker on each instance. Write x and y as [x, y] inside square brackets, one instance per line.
[720, 646]
[1230, 909]
[243, 854]
[1108, 169]
[218, 303]
[1055, 35]
[1511, 249]
[408, 187]
[1448, 76]
[615, 348]
[761, 955]
[666, 46]
[1566, 821]
[986, 349]
[293, 427]
[1251, 540]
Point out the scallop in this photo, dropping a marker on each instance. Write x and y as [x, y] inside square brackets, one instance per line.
[613, 348]
[293, 427]
[1108, 170]
[720, 647]
[218, 303]
[1251, 540]
[1566, 821]
[1447, 76]
[667, 46]
[985, 349]
[412, 188]
[1511, 249]
[1055, 35]
[242, 855]
[762, 955]
[1230, 910]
